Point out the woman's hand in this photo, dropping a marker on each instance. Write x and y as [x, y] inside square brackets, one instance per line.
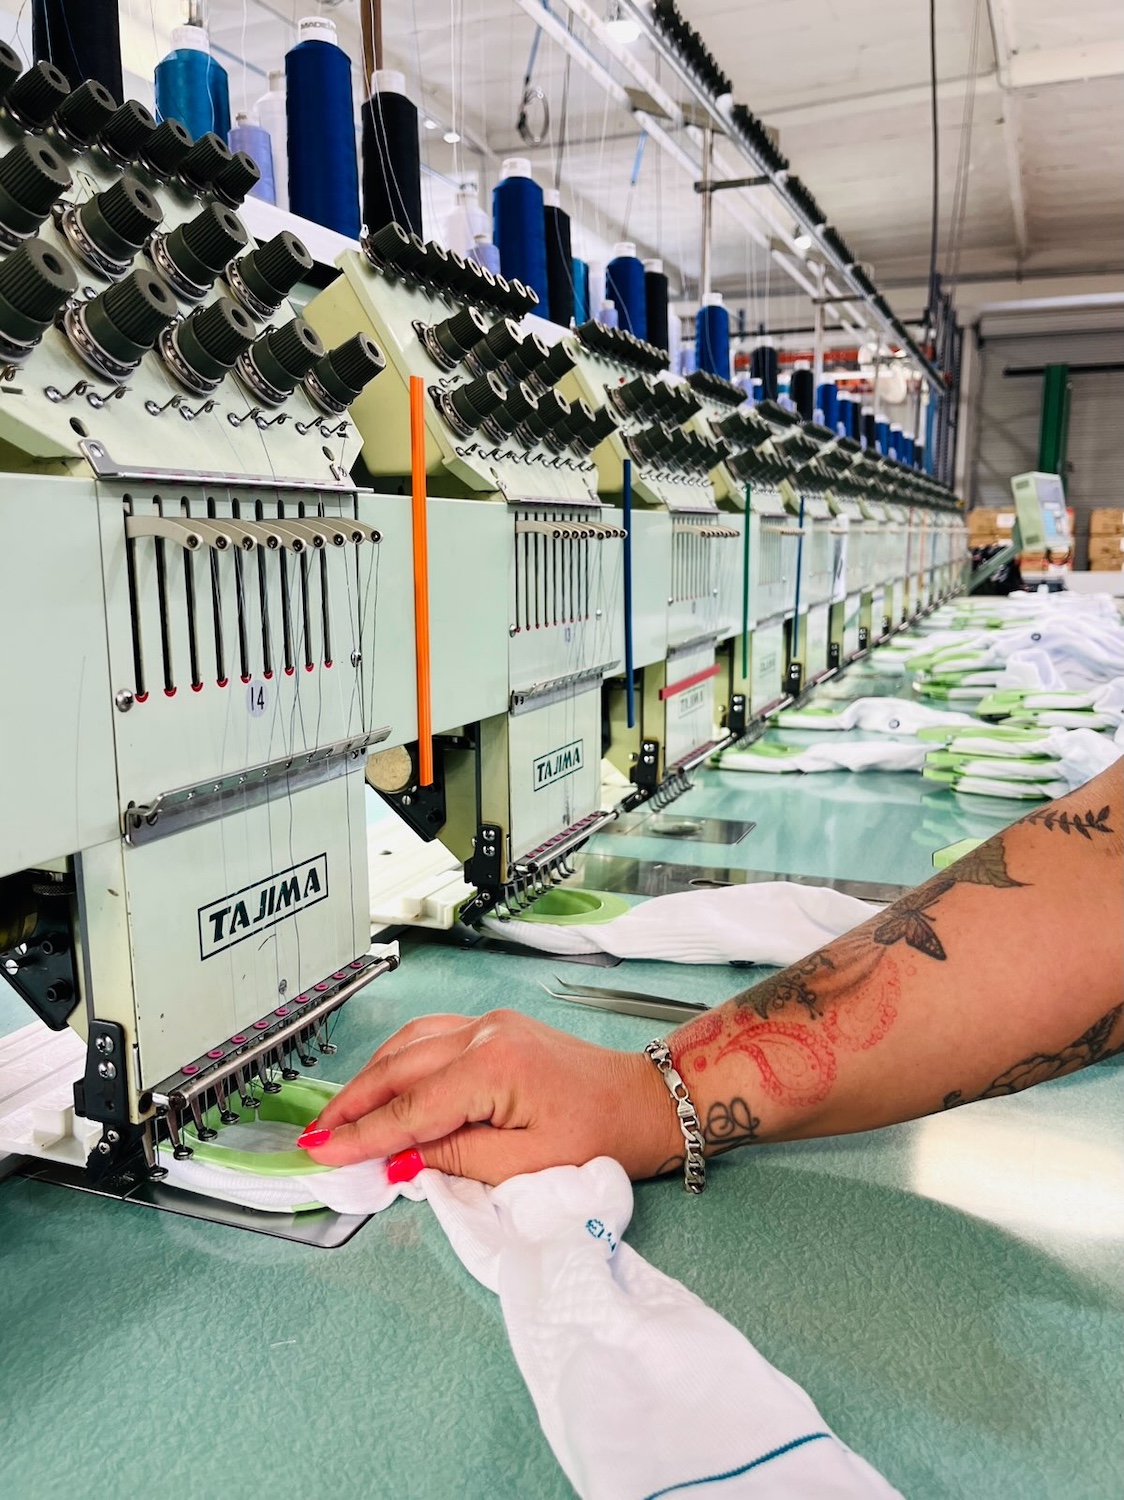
[494, 1097]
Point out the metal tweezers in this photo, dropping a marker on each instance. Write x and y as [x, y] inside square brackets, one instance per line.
[627, 1002]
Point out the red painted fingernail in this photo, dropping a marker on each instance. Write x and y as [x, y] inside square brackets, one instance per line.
[312, 1138]
[312, 1125]
[404, 1166]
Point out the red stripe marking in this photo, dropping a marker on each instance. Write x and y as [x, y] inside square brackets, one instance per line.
[688, 682]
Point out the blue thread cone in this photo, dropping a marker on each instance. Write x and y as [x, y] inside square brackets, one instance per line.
[323, 166]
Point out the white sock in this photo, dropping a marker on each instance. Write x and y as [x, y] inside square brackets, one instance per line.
[641, 1389]
[761, 922]
[897, 716]
[861, 755]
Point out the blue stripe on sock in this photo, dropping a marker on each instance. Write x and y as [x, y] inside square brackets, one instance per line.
[755, 1463]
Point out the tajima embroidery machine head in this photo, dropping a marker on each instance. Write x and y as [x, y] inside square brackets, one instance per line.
[189, 599]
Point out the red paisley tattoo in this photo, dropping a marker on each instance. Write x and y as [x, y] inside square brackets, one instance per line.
[694, 1035]
[869, 1011]
[796, 1065]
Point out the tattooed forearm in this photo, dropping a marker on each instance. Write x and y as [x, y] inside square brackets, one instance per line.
[793, 1026]
[1086, 824]
[1094, 1045]
[949, 981]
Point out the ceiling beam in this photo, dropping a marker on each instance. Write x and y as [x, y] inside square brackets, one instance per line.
[1019, 70]
[1001, 35]
[1035, 70]
[949, 90]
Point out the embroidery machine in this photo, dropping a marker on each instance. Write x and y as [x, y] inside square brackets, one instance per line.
[196, 668]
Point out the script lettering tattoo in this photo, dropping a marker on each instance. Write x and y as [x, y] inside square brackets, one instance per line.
[1090, 1047]
[1086, 824]
[727, 1125]
[730, 1125]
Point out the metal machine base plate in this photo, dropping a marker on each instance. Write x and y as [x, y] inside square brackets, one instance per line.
[640, 877]
[322, 1228]
[678, 827]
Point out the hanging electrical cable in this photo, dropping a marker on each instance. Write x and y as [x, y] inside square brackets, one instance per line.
[564, 114]
[958, 217]
[931, 308]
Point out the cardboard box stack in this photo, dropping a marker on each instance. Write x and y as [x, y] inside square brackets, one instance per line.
[1106, 541]
[990, 527]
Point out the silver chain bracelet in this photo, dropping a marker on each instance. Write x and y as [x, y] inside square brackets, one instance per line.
[694, 1163]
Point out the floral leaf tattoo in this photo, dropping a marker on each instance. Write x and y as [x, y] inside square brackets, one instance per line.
[908, 920]
[1090, 1047]
[1074, 823]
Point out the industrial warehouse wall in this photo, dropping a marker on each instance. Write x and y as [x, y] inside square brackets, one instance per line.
[1009, 407]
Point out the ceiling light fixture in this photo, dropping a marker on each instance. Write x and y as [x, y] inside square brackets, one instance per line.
[621, 28]
[451, 137]
[803, 241]
[429, 124]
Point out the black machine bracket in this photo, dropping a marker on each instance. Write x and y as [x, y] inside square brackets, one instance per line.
[645, 775]
[422, 807]
[102, 1093]
[40, 968]
[486, 870]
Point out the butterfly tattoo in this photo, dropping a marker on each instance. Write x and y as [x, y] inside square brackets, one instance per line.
[909, 922]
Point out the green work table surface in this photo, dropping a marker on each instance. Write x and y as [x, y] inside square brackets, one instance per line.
[948, 1292]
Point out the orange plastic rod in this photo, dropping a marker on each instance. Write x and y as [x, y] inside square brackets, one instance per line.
[421, 579]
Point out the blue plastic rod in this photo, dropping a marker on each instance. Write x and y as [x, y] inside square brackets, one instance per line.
[745, 587]
[799, 570]
[629, 689]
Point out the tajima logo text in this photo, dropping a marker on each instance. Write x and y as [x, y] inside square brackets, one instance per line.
[556, 765]
[690, 702]
[245, 913]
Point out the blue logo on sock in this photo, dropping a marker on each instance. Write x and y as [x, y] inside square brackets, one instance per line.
[599, 1232]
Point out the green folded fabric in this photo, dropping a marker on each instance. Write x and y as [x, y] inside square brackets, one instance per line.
[941, 734]
[980, 786]
[1029, 768]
